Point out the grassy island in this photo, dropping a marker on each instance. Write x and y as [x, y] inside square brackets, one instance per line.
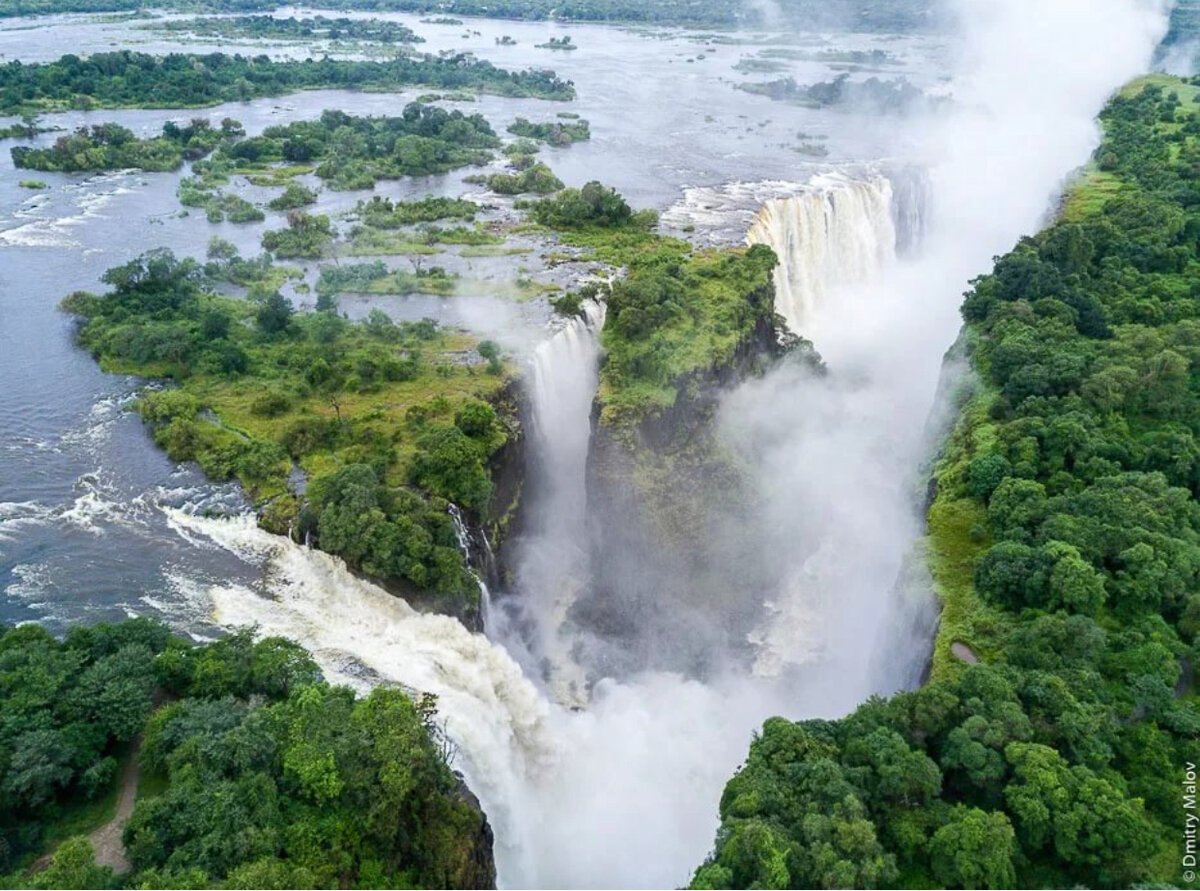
[266, 27]
[389, 424]
[113, 147]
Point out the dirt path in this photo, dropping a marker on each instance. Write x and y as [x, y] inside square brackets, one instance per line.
[110, 850]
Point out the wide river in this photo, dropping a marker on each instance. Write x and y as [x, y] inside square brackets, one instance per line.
[83, 534]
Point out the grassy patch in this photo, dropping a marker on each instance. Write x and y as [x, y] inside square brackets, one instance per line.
[371, 242]
[1089, 193]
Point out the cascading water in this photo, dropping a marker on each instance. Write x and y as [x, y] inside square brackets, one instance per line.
[836, 232]
[553, 565]
[464, 546]
[912, 199]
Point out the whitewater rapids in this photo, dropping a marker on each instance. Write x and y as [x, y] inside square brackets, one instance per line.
[574, 780]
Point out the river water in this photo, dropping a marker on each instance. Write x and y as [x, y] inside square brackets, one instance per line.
[95, 523]
[82, 533]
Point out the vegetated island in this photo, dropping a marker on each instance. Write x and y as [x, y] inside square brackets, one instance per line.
[872, 95]
[557, 43]
[128, 79]
[1048, 748]
[390, 424]
[311, 28]
[113, 147]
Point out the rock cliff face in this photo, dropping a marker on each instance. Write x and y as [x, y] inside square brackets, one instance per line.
[668, 507]
[477, 868]
[496, 532]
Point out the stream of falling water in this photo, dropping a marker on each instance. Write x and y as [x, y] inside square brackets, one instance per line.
[553, 561]
[582, 769]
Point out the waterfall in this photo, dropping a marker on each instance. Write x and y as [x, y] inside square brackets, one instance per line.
[912, 199]
[362, 636]
[552, 568]
[618, 796]
[835, 233]
[464, 546]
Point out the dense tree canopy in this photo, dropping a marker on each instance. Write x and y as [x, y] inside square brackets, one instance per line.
[391, 428]
[113, 147]
[269, 776]
[126, 79]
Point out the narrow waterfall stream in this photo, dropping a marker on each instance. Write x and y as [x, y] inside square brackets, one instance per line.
[553, 560]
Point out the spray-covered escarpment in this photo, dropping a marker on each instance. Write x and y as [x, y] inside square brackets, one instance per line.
[1048, 748]
[662, 492]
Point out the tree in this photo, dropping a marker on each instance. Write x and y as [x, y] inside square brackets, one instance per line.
[975, 849]
[274, 314]
[74, 866]
[1074, 584]
[450, 464]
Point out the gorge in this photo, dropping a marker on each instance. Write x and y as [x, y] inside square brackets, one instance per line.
[681, 567]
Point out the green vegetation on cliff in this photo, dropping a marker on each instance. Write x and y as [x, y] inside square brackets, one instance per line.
[1065, 538]
[126, 79]
[263, 776]
[675, 312]
[389, 423]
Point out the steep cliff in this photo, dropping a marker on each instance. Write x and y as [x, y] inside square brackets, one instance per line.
[664, 495]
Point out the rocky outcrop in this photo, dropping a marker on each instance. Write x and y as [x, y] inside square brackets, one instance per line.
[666, 504]
[477, 868]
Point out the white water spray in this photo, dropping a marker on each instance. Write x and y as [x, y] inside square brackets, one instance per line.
[553, 566]
[570, 794]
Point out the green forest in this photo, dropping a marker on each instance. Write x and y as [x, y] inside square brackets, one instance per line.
[250, 770]
[351, 152]
[127, 79]
[113, 147]
[1048, 748]
[318, 27]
